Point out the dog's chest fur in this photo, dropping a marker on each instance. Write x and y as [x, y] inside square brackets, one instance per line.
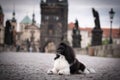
[61, 63]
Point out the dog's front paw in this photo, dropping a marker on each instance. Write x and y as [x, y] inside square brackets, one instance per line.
[50, 72]
[62, 72]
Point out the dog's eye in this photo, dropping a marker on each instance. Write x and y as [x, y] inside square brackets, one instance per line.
[60, 49]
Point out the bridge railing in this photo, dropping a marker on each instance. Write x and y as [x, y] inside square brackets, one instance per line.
[111, 50]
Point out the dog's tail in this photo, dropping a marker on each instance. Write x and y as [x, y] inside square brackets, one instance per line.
[89, 70]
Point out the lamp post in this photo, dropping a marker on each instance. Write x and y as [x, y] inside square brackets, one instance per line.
[111, 13]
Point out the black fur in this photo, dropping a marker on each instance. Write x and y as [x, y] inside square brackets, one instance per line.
[67, 51]
[77, 67]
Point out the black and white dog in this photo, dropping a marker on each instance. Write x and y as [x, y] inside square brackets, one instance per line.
[66, 63]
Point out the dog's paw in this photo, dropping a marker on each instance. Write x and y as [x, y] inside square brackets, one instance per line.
[63, 73]
[90, 70]
[49, 72]
[86, 71]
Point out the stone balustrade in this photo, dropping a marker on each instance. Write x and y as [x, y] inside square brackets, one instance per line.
[111, 50]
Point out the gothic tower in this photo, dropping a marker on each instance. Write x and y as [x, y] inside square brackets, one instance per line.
[1, 26]
[14, 27]
[54, 20]
[1, 16]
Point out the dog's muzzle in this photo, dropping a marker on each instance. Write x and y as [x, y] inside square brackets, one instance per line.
[57, 56]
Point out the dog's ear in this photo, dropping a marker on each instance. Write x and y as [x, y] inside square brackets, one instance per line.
[69, 54]
[62, 44]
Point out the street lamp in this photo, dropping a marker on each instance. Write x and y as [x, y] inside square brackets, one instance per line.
[111, 13]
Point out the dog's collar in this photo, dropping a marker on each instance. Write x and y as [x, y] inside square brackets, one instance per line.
[73, 62]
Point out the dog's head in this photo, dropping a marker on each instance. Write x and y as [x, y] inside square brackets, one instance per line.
[66, 51]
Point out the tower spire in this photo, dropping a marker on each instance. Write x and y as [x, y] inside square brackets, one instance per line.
[13, 14]
[13, 10]
[1, 11]
[33, 18]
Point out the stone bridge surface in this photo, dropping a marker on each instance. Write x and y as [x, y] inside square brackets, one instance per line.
[34, 66]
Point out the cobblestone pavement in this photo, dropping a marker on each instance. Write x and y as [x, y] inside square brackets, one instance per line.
[33, 66]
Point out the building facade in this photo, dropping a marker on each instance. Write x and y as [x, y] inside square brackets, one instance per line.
[29, 35]
[54, 22]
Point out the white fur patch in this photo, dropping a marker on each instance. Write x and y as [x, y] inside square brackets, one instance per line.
[61, 66]
[90, 70]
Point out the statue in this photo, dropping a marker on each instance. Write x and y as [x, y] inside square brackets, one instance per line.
[97, 31]
[8, 33]
[76, 36]
[96, 17]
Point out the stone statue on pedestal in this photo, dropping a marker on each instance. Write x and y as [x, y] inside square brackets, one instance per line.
[8, 33]
[76, 42]
[97, 31]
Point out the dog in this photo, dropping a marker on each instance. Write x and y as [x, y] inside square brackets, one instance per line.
[66, 63]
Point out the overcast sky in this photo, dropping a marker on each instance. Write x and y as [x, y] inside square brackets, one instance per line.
[78, 9]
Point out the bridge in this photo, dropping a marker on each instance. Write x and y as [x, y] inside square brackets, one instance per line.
[34, 66]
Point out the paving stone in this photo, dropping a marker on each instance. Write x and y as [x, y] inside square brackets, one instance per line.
[34, 66]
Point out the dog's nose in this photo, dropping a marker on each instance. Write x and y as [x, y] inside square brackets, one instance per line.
[57, 56]
[58, 52]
